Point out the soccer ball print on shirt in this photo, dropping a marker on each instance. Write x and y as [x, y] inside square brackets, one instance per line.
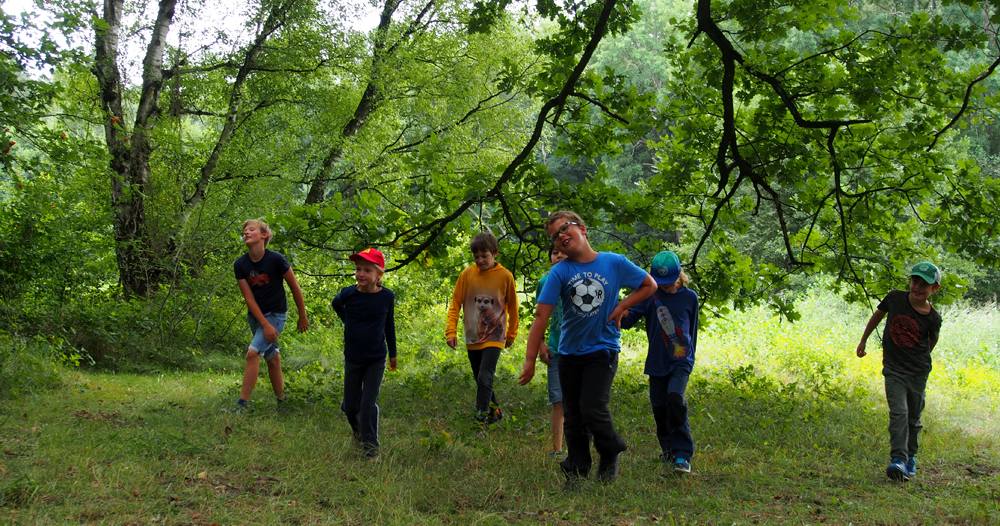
[587, 295]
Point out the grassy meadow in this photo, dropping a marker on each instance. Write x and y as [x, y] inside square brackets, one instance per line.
[789, 424]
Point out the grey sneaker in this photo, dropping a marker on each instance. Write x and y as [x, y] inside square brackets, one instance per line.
[897, 470]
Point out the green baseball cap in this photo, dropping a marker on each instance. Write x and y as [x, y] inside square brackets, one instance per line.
[666, 268]
[928, 271]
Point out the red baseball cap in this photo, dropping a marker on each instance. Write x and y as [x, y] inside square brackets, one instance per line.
[370, 254]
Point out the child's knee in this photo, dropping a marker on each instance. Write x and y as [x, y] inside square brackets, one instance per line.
[274, 363]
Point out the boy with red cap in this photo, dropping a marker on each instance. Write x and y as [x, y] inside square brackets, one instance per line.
[259, 274]
[368, 312]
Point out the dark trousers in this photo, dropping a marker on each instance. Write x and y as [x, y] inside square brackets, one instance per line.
[673, 431]
[905, 395]
[362, 382]
[586, 386]
[484, 367]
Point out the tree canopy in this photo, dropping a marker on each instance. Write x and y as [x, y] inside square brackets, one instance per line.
[761, 141]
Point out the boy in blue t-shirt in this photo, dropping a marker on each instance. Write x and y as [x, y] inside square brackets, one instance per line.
[587, 283]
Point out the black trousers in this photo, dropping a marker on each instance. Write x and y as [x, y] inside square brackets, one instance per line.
[362, 382]
[586, 385]
[484, 367]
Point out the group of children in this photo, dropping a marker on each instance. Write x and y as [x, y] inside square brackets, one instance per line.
[578, 302]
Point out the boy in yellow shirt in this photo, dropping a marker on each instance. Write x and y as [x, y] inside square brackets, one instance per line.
[486, 294]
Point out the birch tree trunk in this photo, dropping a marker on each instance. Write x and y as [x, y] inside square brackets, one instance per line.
[129, 145]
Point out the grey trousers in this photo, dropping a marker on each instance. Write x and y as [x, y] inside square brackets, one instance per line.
[484, 367]
[905, 395]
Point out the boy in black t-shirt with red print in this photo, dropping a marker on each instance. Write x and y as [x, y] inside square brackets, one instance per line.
[911, 332]
[259, 274]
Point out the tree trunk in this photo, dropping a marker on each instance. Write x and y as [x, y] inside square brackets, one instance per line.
[130, 151]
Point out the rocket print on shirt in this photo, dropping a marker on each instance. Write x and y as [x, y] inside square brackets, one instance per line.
[671, 334]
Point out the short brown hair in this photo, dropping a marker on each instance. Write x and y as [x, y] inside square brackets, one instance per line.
[484, 242]
[260, 225]
[563, 214]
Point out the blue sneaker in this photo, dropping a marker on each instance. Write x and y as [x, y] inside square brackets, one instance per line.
[682, 466]
[897, 470]
[911, 467]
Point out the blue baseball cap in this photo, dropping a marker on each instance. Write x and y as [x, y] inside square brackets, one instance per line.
[666, 268]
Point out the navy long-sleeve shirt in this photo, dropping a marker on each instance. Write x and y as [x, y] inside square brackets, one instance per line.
[672, 338]
[369, 323]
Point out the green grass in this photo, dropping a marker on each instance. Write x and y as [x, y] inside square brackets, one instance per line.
[789, 425]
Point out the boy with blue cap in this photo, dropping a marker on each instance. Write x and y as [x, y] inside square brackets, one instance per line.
[911, 332]
[671, 315]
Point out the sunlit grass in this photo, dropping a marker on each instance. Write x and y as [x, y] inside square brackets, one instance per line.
[788, 422]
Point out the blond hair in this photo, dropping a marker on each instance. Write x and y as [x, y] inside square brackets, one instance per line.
[259, 225]
[684, 279]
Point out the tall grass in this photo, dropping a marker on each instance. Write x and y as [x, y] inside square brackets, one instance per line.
[788, 422]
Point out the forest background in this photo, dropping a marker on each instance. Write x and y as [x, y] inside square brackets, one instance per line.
[786, 151]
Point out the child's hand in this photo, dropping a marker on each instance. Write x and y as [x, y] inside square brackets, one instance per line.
[617, 315]
[452, 342]
[270, 333]
[543, 354]
[392, 364]
[861, 350]
[527, 373]
[303, 324]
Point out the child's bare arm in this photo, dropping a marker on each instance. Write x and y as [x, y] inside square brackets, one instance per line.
[542, 314]
[511, 306]
[270, 333]
[644, 291]
[451, 326]
[300, 302]
[872, 324]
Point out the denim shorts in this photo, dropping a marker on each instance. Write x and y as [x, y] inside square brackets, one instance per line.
[555, 391]
[259, 344]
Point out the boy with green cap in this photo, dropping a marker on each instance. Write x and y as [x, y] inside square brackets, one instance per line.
[910, 334]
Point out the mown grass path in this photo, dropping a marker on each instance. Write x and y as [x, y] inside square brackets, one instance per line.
[790, 429]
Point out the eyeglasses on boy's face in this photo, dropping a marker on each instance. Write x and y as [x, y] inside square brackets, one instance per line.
[562, 230]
